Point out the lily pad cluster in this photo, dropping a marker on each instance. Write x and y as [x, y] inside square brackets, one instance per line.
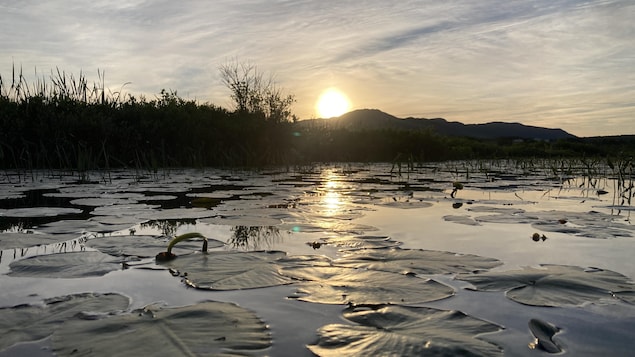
[591, 224]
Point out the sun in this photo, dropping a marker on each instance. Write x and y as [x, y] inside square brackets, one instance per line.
[332, 103]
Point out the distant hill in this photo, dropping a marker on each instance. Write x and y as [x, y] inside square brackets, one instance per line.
[376, 119]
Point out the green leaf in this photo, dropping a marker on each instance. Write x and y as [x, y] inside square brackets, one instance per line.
[405, 331]
[205, 329]
[65, 265]
[24, 323]
[416, 261]
[338, 285]
[231, 270]
[553, 285]
[360, 242]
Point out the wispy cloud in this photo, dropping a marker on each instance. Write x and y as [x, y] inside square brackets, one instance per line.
[559, 64]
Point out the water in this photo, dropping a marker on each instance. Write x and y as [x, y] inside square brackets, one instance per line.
[305, 211]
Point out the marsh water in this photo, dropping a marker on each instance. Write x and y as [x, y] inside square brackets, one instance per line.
[308, 250]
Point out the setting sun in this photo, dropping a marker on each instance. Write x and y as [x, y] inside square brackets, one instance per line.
[332, 103]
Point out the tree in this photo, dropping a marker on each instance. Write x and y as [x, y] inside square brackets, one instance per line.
[252, 93]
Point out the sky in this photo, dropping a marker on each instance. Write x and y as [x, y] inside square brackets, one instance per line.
[552, 63]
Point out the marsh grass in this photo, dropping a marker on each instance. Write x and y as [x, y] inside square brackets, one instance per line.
[65, 122]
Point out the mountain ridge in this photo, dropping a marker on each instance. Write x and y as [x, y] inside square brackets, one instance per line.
[362, 119]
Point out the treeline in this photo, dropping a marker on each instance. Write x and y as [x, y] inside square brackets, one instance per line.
[71, 125]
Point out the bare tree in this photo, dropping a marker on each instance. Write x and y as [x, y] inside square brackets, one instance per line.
[254, 94]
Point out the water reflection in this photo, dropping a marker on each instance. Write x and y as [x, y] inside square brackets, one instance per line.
[12, 254]
[253, 238]
[332, 198]
[168, 227]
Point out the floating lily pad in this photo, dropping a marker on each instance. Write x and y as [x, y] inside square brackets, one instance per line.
[24, 323]
[231, 270]
[102, 201]
[76, 226]
[404, 203]
[417, 261]
[65, 265]
[406, 331]
[461, 219]
[25, 240]
[242, 220]
[337, 285]
[360, 242]
[38, 212]
[178, 213]
[205, 329]
[553, 285]
[584, 224]
[136, 210]
[145, 246]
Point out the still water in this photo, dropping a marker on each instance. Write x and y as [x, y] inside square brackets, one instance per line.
[309, 250]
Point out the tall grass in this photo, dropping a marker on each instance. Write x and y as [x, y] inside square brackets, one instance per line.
[61, 121]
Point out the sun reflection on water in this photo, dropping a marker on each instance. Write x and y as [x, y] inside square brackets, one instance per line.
[332, 199]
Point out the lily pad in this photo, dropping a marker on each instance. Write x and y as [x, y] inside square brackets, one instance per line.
[461, 219]
[553, 285]
[417, 261]
[205, 329]
[404, 203]
[102, 201]
[76, 226]
[231, 270]
[360, 242]
[65, 265]
[337, 285]
[38, 212]
[24, 323]
[242, 220]
[178, 213]
[26, 240]
[144, 246]
[406, 331]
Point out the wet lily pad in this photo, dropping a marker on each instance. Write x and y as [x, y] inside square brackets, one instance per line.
[404, 203]
[65, 265]
[231, 270]
[25, 240]
[76, 226]
[205, 329]
[134, 210]
[38, 212]
[337, 285]
[178, 213]
[360, 242]
[144, 246]
[417, 261]
[406, 331]
[553, 285]
[242, 220]
[461, 219]
[584, 224]
[24, 323]
[102, 201]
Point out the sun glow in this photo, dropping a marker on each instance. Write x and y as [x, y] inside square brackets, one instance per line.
[332, 103]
